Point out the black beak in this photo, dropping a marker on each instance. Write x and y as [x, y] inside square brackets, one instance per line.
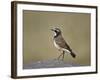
[52, 30]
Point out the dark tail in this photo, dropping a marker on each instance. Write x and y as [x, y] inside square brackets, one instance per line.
[73, 54]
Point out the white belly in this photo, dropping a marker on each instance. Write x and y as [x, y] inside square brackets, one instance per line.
[57, 46]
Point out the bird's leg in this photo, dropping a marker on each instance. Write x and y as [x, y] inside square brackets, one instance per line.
[59, 56]
[63, 55]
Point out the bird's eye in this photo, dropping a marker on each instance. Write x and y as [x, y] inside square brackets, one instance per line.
[57, 30]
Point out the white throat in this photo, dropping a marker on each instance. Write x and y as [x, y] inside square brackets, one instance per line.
[55, 34]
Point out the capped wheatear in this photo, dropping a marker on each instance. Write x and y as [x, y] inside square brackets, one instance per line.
[61, 44]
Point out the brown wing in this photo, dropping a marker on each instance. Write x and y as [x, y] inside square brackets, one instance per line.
[62, 43]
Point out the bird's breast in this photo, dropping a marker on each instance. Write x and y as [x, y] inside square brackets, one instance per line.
[56, 45]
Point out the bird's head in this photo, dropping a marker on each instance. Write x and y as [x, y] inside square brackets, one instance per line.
[56, 31]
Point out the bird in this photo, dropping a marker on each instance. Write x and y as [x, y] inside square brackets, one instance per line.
[61, 44]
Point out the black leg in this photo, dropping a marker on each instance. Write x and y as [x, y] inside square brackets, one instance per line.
[63, 55]
[59, 56]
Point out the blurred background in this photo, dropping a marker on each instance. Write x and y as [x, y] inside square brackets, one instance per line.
[38, 38]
